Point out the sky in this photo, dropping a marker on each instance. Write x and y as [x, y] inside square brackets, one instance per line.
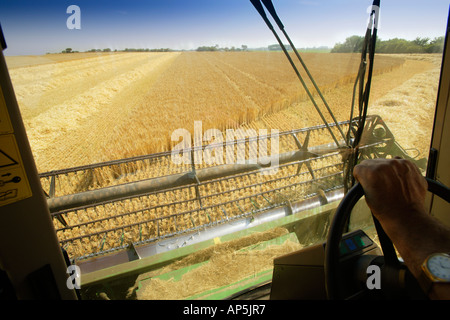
[33, 27]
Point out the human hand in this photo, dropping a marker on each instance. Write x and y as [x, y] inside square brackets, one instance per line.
[395, 191]
[394, 188]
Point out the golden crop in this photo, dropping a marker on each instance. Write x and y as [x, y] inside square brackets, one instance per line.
[114, 106]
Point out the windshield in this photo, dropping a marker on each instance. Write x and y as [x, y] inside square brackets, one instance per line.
[219, 151]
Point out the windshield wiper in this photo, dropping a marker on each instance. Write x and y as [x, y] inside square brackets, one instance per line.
[368, 52]
[269, 6]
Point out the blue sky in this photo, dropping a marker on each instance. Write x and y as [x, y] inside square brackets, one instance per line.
[37, 27]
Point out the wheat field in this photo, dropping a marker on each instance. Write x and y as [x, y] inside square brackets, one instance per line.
[113, 106]
[82, 109]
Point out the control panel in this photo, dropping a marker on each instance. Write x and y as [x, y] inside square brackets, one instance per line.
[301, 274]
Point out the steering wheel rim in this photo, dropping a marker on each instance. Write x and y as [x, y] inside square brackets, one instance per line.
[337, 226]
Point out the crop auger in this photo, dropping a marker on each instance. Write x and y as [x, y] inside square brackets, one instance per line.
[149, 209]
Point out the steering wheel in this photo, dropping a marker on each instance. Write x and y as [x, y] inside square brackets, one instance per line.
[332, 254]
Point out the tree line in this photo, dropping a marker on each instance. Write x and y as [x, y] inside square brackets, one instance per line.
[70, 50]
[396, 45]
[351, 44]
[217, 48]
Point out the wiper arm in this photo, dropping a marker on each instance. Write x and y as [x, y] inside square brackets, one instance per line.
[258, 6]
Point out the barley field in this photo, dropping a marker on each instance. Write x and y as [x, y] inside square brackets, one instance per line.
[81, 109]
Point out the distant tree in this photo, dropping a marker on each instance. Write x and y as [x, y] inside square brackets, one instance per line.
[436, 45]
[207, 48]
[137, 50]
[160, 50]
[67, 50]
[422, 42]
[107, 50]
[396, 45]
[277, 47]
[351, 44]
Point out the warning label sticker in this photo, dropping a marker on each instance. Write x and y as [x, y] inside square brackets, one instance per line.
[14, 184]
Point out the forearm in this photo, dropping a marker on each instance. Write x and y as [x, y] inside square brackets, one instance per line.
[415, 240]
[395, 191]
